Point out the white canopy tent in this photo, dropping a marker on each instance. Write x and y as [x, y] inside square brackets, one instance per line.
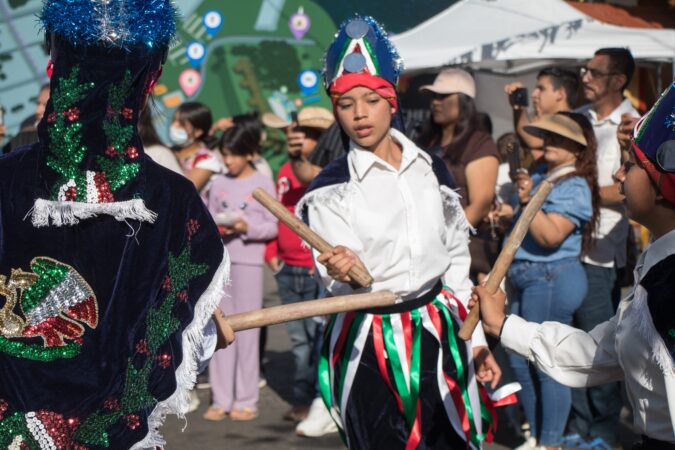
[515, 36]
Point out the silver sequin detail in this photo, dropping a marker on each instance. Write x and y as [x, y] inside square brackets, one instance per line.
[39, 432]
[71, 291]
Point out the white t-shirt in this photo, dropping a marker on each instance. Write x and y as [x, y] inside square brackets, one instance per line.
[164, 157]
[612, 230]
[505, 187]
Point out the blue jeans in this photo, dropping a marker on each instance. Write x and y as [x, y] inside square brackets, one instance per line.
[541, 292]
[296, 285]
[595, 410]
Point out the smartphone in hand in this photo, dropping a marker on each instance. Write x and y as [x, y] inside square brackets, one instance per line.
[520, 97]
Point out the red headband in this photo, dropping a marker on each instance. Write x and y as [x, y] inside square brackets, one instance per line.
[347, 82]
[664, 180]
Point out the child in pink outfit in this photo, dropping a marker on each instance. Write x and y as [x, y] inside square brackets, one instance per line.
[245, 226]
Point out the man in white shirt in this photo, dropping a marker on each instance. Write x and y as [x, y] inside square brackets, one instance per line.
[595, 411]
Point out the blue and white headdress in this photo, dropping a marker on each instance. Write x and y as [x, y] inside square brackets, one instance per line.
[361, 45]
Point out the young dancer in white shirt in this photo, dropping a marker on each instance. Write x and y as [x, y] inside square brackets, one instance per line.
[394, 378]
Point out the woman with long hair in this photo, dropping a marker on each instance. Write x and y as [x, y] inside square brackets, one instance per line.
[454, 133]
[547, 281]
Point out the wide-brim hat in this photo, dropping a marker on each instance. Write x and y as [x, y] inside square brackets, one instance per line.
[452, 81]
[559, 124]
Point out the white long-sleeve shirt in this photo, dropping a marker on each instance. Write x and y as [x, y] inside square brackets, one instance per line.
[408, 231]
[612, 229]
[627, 347]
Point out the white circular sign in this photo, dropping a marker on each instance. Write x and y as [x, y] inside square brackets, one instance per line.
[213, 19]
[300, 22]
[309, 79]
[196, 51]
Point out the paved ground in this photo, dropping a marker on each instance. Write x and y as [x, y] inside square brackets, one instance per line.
[270, 431]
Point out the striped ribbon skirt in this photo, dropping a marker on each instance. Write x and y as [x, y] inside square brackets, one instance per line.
[404, 380]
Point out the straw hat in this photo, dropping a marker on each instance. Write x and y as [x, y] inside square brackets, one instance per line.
[311, 117]
[559, 124]
[452, 81]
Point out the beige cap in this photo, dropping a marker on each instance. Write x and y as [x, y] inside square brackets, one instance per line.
[452, 81]
[311, 117]
[559, 124]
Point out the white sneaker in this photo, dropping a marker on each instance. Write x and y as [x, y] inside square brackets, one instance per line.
[194, 401]
[318, 421]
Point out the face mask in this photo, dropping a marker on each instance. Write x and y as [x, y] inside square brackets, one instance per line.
[179, 136]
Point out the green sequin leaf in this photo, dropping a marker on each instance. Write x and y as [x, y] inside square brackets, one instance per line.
[51, 274]
[94, 430]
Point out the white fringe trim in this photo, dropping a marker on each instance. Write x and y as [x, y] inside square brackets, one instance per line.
[186, 375]
[453, 211]
[70, 213]
[646, 329]
[335, 197]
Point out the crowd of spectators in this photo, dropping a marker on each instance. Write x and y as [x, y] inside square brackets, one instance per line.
[570, 268]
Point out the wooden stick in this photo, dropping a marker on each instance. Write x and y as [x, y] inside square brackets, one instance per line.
[302, 310]
[508, 252]
[362, 277]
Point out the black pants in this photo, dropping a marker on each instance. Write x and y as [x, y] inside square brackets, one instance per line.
[373, 418]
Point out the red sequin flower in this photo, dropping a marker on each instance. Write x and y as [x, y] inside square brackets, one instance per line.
[51, 118]
[112, 404]
[72, 114]
[142, 347]
[131, 152]
[128, 113]
[4, 406]
[164, 360]
[166, 284]
[132, 421]
[111, 152]
[192, 227]
[182, 296]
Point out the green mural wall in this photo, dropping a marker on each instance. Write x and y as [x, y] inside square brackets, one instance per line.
[262, 55]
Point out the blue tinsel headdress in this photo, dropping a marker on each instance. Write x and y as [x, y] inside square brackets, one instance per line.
[106, 58]
[115, 23]
[361, 44]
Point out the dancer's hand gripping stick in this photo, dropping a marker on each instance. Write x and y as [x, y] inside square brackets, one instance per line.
[360, 276]
[508, 252]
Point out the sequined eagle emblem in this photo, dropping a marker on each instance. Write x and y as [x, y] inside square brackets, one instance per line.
[52, 304]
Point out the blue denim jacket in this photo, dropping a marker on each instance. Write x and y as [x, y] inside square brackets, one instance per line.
[570, 198]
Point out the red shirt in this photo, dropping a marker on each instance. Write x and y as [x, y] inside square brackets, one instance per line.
[288, 247]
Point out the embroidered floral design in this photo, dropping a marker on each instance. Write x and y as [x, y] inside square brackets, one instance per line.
[53, 302]
[66, 150]
[51, 430]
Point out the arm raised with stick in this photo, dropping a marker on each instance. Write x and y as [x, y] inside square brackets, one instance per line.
[358, 274]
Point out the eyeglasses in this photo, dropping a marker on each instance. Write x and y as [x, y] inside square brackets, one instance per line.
[594, 73]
